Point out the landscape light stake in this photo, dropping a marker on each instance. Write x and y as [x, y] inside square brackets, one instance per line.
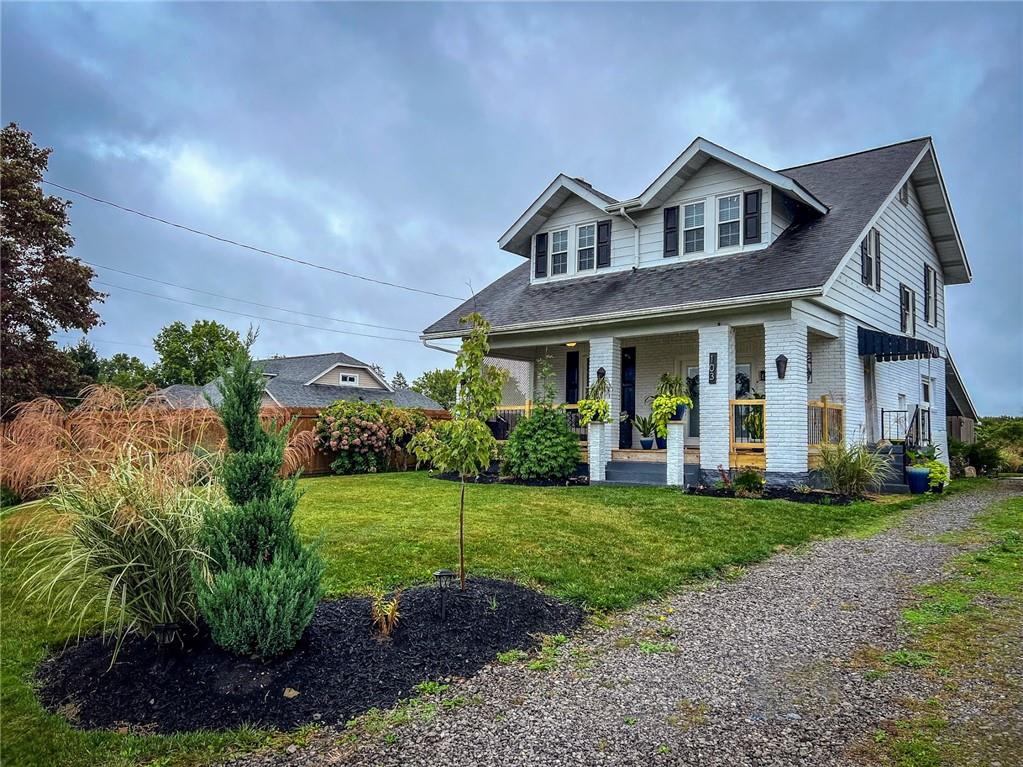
[444, 579]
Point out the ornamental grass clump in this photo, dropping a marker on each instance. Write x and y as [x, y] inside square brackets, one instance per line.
[123, 549]
[258, 584]
[853, 469]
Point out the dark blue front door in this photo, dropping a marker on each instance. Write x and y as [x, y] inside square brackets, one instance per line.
[628, 397]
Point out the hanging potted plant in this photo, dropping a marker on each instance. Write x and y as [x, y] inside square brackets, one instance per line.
[595, 408]
[646, 427]
[669, 404]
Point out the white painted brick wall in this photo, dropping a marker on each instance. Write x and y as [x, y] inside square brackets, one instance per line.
[828, 368]
[785, 418]
[855, 427]
[599, 449]
[676, 456]
[714, 397]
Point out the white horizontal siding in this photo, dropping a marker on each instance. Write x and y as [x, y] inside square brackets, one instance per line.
[905, 248]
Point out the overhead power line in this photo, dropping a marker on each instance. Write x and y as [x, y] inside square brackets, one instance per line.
[246, 246]
[254, 316]
[246, 301]
[90, 339]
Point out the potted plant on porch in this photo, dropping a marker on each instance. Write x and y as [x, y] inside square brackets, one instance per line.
[669, 404]
[646, 427]
[595, 408]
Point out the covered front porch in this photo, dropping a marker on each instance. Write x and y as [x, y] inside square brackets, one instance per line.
[765, 395]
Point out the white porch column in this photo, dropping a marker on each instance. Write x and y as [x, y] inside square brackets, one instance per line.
[785, 416]
[676, 453]
[718, 340]
[855, 426]
[606, 353]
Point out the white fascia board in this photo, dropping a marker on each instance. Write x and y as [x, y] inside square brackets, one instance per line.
[660, 311]
[750, 168]
[955, 371]
[561, 182]
[951, 214]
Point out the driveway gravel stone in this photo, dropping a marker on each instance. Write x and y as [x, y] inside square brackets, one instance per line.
[767, 669]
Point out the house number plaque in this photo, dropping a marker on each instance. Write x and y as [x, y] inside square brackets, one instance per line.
[712, 368]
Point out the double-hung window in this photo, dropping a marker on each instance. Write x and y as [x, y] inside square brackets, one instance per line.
[870, 260]
[585, 242]
[907, 310]
[692, 238]
[728, 221]
[559, 252]
[930, 296]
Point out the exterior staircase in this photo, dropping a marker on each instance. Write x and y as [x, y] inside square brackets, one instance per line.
[895, 453]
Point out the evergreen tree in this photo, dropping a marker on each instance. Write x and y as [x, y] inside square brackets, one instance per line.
[398, 382]
[261, 584]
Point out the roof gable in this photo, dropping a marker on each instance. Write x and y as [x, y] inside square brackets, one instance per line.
[517, 238]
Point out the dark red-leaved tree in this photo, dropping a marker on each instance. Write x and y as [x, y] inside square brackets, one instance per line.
[42, 288]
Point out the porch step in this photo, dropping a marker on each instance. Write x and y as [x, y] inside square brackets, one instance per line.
[636, 473]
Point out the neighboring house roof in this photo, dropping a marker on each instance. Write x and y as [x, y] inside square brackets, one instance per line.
[798, 263]
[955, 390]
[289, 385]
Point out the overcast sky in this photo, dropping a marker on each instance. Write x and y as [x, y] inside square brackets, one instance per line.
[400, 141]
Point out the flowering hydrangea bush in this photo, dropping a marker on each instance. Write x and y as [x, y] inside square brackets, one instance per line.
[356, 433]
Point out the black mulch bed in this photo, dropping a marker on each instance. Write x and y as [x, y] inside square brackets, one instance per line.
[339, 668]
[771, 493]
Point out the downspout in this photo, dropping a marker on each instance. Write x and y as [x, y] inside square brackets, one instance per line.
[635, 231]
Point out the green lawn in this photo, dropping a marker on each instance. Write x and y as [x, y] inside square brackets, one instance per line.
[604, 547]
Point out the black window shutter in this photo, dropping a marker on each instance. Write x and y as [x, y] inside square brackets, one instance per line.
[903, 304]
[865, 273]
[603, 244]
[927, 293]
[751, 217]
[541, 255]
[877, 258]
[671, 232]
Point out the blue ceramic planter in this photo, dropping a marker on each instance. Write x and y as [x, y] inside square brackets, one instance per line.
[662, 443]
[646, 442]
[680, 413]
[918, 477]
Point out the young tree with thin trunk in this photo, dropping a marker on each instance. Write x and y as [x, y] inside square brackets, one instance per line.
[465, 444]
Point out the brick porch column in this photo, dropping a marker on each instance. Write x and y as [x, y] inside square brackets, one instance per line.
[714, 398]
[606, 353]
[785, 416]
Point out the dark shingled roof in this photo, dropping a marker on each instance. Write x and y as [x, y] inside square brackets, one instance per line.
[803, 257]
[287, 385]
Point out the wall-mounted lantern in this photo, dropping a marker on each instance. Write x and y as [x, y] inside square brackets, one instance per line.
[781, 362]
[601, 372]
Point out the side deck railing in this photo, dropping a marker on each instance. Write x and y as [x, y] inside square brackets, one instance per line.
[508, 416]
[824, 421]
[747, 443]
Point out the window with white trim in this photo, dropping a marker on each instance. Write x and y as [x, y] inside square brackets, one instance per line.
[925, 392]
[559, 252]
[349, 379]
[907, 310]
[930, 296]
[693, 228]
[729, 213]
[585, 244]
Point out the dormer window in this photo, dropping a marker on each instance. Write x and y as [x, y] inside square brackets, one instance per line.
[728, 221]
[586, 240]
[693, 228]
[559, 252]
[349, 379]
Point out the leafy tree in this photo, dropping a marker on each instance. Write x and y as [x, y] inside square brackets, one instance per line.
[464, 444]
[125, 372]
[398, 382]
[260, 584]
[194, 355]
[440, 385]
[87, 361]
[43, 288]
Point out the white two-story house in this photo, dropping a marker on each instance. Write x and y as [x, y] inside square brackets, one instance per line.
[813, 297]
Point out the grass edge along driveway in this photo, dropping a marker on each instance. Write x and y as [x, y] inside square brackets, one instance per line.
[604, 547]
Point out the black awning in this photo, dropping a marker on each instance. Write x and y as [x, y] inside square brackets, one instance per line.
[885, 347]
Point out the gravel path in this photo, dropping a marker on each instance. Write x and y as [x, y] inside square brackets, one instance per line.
[768, 669]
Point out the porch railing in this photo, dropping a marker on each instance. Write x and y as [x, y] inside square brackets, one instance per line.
[508, 416]
[823, 422]
[894, 425]
[747, 433]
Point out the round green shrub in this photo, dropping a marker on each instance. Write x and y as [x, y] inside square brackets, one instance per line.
[542, 447]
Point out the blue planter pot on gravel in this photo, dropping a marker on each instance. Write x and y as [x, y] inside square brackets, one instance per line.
[918, 477]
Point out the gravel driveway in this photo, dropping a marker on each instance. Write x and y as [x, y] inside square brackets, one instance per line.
[761, 670]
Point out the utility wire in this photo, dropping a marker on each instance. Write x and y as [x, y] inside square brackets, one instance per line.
[253, 248]
[246, 301]
[255, 316]
[90, 339]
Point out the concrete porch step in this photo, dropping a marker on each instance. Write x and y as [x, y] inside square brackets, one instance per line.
[894, 488]
[636, 473]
